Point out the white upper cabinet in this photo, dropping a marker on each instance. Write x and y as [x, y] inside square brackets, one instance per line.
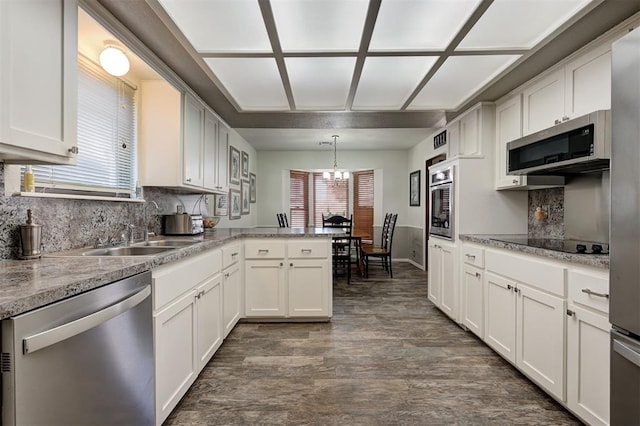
[468, 134]
[580, 87]
[508, 128]
[38, 81]
[174, 126]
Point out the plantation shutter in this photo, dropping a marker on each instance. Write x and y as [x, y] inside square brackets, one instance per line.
[363, 204]
[328, 199]
[298, 199]
[106, 160]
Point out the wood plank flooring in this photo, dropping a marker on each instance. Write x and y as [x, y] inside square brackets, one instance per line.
[388, 357]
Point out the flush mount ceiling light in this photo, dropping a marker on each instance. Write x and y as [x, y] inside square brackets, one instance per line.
[339, 177]
[113, 59]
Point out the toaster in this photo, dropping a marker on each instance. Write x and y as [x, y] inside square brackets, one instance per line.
[183, 224]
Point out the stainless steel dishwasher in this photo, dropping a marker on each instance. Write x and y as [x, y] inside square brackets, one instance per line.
[86, 360]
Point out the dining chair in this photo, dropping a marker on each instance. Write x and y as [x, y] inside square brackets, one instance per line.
[383, 251]
[341, 245]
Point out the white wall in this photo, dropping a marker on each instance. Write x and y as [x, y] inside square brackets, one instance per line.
[273, 179]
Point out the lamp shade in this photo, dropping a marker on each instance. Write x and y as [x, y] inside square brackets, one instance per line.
[114, 61]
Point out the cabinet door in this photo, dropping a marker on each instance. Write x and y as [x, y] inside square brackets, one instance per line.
[588, 82]
[453, 139]
[508, 128]
[38, 90]
[209, 319]
[175, 359]
[500, 316]
[469, 143]
[473, 300]
[265, 288]
[540, 349]
[309, 288]
[209, 148]
[543, 103]
[449, 284]
[232, 297]
[588, 365]
[223, 158]
[192, 141]
[435, 274]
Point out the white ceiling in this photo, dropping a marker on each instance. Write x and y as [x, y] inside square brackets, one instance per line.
[364, 55]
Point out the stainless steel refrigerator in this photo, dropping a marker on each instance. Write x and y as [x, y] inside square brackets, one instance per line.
[625, 231]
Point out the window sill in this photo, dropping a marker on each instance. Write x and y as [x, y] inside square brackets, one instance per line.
[76, 197]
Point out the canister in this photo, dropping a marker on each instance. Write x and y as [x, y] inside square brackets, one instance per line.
[30, 239]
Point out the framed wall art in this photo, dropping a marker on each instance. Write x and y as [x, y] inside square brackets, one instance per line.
[245, 165]
[234, 166]
[244, 194]
[252, 187]
[414, 188]
[234, 204]
[221, 204]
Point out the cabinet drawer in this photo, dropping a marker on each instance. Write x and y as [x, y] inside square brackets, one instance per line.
[264, 249]
[230, 255]
[304, 248]
[589, 289]
[170, 281]
[473, 255]
[543, 275]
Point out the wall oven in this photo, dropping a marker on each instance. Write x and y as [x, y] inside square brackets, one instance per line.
[441, 198]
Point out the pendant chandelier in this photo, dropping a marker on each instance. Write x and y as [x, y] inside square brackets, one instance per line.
[337, 177]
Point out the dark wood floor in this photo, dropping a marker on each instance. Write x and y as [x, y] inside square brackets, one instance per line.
[388, 357]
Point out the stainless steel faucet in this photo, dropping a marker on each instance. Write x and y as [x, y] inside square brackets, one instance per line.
[147, 234]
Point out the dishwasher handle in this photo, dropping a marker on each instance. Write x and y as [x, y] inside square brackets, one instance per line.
[49, 337]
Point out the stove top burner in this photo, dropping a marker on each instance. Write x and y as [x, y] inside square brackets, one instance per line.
[566, 246]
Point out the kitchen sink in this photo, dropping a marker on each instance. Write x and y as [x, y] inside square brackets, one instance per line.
[166, 243]
[127, 251]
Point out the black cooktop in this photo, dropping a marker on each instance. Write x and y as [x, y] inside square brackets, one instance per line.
[566, 246]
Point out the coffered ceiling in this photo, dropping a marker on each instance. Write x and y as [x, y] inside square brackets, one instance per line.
[360, 64]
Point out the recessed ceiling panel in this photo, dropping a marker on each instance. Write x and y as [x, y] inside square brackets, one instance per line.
[319, 25]
[387, 82]
[254, 83]
[411, 25]
[519, 24]
[320, 83]
[458, 79]
[220, 25]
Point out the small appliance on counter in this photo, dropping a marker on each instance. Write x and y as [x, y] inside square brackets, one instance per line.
[181, 223]
[30, 239]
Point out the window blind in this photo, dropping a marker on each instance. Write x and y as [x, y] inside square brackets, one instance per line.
[328, 199]
[363, 204]
[106, 161]
[298, 199]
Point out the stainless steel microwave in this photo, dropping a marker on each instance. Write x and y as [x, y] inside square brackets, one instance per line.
[576, 146]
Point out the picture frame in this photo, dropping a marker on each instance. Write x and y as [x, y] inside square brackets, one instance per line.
[244, 195]
[234, 166]
[245, 165]
[252, 187]
[414, 188]
[220, 204]
[234, 204]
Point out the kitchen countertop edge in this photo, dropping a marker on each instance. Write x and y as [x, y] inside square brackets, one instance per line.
[595, 260]
[26, 285]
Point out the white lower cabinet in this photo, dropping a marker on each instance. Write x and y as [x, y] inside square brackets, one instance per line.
[500, 316]
[288, 278]
[442, 276]
[472, 315]
[232, 297]
[187, 324]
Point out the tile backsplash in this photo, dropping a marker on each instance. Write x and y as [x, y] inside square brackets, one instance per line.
[69, 224]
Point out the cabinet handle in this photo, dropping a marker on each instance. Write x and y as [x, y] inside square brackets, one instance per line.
[226, 275]
[291, 264]
[517, 290]
[565, 118]
[509, 287]
[477, 274]
[305, 250]
[188, 179]
[571, 313]
[263, 250]
[73, 150]
[557, 122]
[515, 181]
[593, 293]
[470, 256]
[234, 254]
[281, 264]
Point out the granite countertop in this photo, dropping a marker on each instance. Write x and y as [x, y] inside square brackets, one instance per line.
[30, 284]
[595, 260]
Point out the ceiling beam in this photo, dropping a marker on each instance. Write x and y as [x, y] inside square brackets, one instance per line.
[367, 33]
[475, 17]
[272, 32]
